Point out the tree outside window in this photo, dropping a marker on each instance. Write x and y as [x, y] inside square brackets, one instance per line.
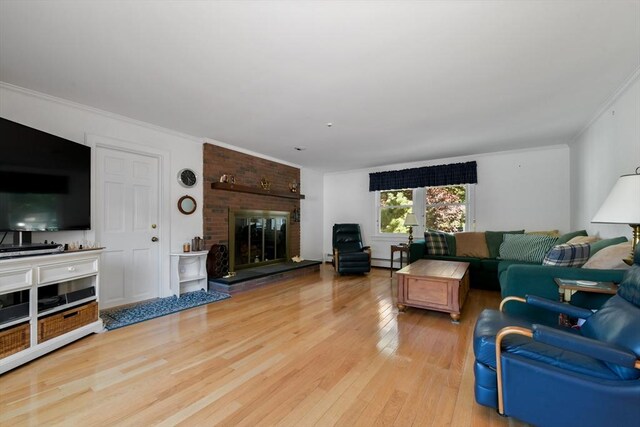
[446, 208]
[394, 206]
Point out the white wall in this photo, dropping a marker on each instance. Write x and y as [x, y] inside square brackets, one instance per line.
[78, 123]
[608, 148]
[311, 184]
[81, 123]
[527, 188]
[516, 189]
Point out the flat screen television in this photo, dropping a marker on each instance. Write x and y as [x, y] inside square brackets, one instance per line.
[45, 181]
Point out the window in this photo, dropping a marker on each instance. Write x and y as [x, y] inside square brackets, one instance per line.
[393, 206]
[446, 208]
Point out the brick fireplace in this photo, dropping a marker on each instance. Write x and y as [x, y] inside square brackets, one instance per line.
[248, 172]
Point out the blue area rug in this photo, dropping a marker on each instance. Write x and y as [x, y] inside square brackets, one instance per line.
[115, 318]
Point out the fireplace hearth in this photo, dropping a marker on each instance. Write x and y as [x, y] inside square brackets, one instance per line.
[257, 238]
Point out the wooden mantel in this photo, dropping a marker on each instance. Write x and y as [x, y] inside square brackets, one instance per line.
[225, 186]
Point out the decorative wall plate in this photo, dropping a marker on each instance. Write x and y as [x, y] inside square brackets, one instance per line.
[187, 205]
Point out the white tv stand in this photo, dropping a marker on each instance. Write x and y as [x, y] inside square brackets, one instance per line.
[71, 271]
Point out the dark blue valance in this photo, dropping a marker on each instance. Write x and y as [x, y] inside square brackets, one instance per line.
[428, 176]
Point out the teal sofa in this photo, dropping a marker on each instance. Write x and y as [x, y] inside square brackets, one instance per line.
[518, 278]
[480, 249]
[483, 272]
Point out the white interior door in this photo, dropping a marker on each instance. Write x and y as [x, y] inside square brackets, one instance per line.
[127, 198]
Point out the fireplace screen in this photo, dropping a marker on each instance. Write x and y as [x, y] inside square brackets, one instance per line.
[257, 238]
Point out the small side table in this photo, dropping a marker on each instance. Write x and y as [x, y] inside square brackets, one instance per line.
[403, 248]
[188, 271]
[567, 287]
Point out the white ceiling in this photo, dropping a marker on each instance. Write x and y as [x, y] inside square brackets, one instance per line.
[400, 81]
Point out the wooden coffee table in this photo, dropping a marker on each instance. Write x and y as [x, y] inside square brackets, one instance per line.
[434, 285]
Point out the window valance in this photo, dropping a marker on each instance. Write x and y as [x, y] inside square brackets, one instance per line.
[428, 176]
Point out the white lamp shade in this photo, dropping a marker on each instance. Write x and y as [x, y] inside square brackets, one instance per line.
[622, 206]
[410, 220]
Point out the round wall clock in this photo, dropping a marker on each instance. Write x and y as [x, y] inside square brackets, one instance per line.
[187, 178]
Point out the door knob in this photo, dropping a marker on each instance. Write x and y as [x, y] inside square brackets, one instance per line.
[154, 239]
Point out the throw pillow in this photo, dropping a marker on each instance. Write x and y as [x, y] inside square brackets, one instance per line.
[567, 255]
[610, 258]
[552, 233]
[526, 247]
[494, 240]
[471, 244]
[566, 237]
[584, 239]
[601, 244]
[451, 240]
[436, 243]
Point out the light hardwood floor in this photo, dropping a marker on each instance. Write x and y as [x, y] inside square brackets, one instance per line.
[316, 350]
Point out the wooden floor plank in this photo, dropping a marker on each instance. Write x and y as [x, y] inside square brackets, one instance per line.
[320, 350]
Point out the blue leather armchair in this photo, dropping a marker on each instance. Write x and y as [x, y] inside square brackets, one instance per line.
[550, 375]
[349, 255]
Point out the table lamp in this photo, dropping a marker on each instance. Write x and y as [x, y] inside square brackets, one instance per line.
[622, 206]
[410, 221]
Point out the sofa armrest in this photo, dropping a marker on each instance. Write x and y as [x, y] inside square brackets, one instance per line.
[521, 279]
[416, 250]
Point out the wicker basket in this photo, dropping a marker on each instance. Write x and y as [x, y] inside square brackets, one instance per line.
[65, 321]
[13, 340]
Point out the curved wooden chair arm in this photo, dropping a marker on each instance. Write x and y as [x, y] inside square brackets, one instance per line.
[507, 299]
[509, 330]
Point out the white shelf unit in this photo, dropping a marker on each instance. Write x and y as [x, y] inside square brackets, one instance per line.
[70, 271]
[188, 272]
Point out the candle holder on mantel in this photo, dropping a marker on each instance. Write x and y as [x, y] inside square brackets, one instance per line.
[265, 184]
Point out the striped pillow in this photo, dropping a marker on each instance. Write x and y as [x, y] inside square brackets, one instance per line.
[436, 243]
[568, 255]
[526, 247]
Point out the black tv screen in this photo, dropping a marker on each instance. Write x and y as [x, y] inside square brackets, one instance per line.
[45, 181]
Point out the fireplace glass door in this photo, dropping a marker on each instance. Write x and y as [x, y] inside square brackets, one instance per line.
[257, 238]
